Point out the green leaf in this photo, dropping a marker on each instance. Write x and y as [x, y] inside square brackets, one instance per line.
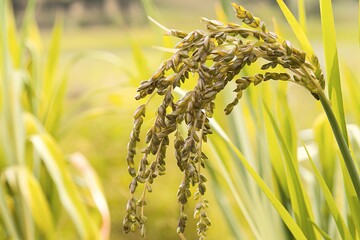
[56, 106]
[53, 159]
[50, 87]
[222, 199]
[140, 61]
[352, 198]
[30, 31]
[5, 215]
[332, 63]
[340, 223]
[284, 214]
[35, 200]
[53, 57]
[351, 86]
[302, 15]
[299, 200]
[221, 153]
[322, 232]
[297, 29]
[92, 182]
[287, 120]
[13, 39]
[327, 150]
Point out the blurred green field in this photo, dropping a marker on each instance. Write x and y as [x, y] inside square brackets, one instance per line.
[103, 139]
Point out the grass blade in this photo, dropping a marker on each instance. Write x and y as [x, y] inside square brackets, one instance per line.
[92, 182]
[49, 89]
[332, 63]
[344, 148]
[218, 156]
[353, 199]
[14, 47]
[55, 164]
[299, 199]
[351, 85]
[6, 217]
[34, 198]
[223, 203]
[322, 232]
[285, 216]
[297, 28]
[53, 55]
[341, 225]
[302, 15]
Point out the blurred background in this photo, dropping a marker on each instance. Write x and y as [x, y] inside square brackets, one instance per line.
[104, 87]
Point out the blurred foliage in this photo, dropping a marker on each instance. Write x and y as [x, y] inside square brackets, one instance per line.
[44, 193]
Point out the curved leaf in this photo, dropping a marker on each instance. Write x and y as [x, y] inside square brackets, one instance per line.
[284, 214]
[34, 198]
[53, 159]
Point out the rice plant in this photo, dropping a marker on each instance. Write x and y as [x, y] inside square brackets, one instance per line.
[44, 193]
[278, 193]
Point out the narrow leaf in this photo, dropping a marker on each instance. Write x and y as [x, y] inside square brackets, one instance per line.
[284, 214]
[223, 202]
[322, 232]
[299, 200]
[6, 217]
[297, 29]
[92, 181]
[340, 223]
[52, 157]
[34, 198]
[353, 200]
[302, 15]
[332, 63]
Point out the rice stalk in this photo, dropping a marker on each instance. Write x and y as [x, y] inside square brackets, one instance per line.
[215, 57]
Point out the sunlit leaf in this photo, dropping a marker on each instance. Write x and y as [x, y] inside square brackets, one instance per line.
[286, 217]
[297, 29]
[332, 63]
[322, 232]
[299, 200]
[302, 15]
[69, 197]
[341, 225]
[6, 216]
[34, 198]
[353, 200]
[92, 181]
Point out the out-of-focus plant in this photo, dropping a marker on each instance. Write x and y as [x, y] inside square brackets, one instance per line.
[44, 193]
[212, 59]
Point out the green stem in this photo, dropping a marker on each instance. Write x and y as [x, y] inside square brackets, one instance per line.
[344, 149]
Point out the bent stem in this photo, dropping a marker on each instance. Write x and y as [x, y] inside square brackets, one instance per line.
[344, 148]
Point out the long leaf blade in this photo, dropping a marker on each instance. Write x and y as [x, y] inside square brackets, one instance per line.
[299, 199]
[341, 225]
[284, 214]
[54, 162]
[297, 29]
[34, 198]
[332, 63]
